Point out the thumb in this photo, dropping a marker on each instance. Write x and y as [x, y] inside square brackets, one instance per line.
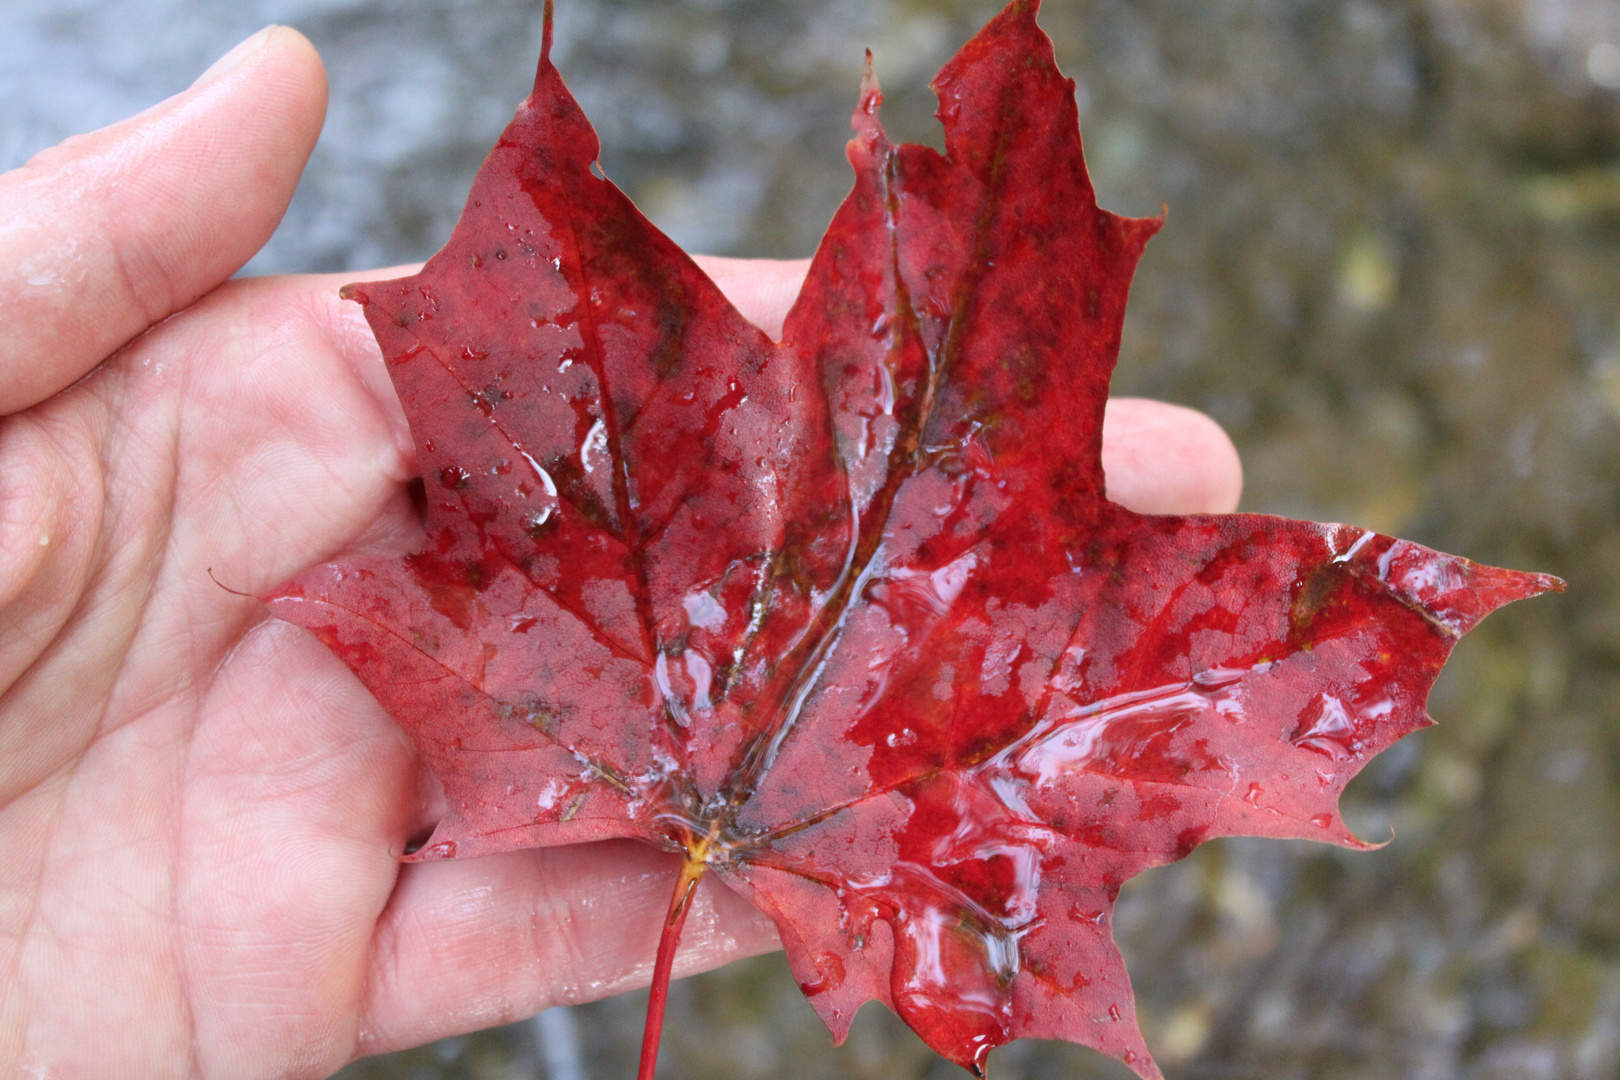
[110, 232]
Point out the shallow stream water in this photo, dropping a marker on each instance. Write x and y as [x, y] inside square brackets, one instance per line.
[1392, 270]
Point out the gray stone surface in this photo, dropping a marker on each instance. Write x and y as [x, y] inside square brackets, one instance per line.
[1391, 268]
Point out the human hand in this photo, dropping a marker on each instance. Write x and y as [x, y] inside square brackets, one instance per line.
[201, 809]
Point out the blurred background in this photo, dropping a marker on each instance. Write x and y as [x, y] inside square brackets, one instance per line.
[1391, 270]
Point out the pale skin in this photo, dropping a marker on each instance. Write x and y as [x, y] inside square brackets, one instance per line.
[200, 809]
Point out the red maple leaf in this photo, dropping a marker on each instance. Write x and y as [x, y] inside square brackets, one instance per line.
[847, 620]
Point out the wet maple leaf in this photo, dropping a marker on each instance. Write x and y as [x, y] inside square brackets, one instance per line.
[847, 619]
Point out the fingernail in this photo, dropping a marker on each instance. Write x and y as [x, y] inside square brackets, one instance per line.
[223, 66]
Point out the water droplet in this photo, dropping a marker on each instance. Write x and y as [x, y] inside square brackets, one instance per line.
[701, 672]
[409, 353]
[535, 524]
[1351, 552]
[545, 477]
[885, 390]
[704, 611]
[1322, 821]
[1326, 727]
[1113, 1012]
[1138, 734]
[1252, 797]
[830, 975]
[594, 444]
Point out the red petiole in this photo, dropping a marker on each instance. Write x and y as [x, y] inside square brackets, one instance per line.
[679, 904]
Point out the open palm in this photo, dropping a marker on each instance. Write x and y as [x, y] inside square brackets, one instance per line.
[201, 811]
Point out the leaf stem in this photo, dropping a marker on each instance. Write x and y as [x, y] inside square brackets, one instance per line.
[679, 904]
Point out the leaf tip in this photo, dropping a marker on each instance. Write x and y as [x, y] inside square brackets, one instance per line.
[1343, 837]
[545, 35]
[428, 851]
[1146, 1068]
[1138, 231]
[871, 91]
[1494, 588]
